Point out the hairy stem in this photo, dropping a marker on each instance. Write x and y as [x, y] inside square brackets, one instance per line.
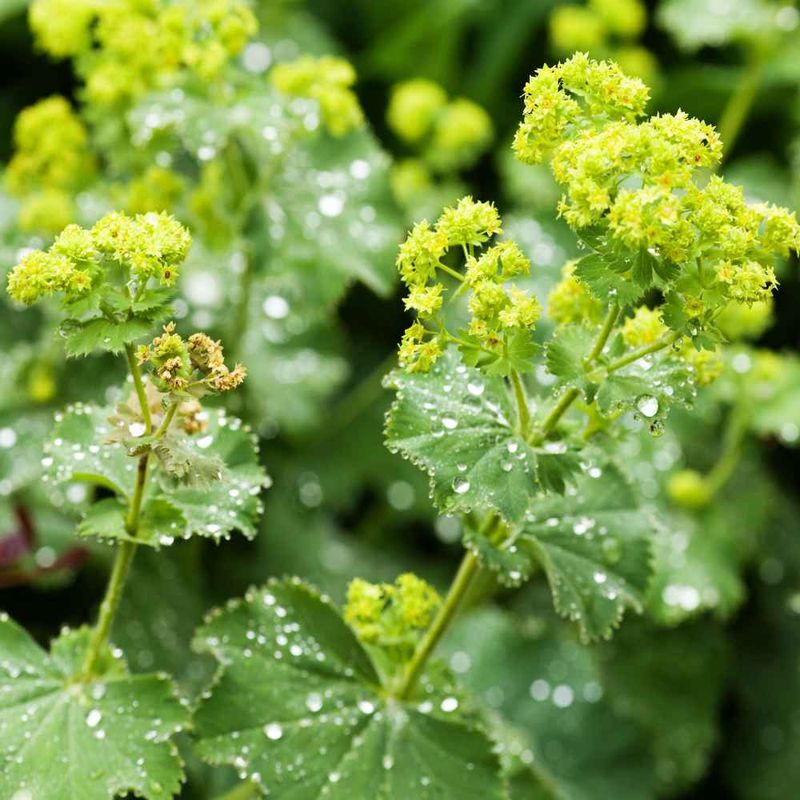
[605, 331]
[571, 395]
[641, 352]
[138, 383]
[523, 409]
[467, 570]
[451, 272]
[125, 553]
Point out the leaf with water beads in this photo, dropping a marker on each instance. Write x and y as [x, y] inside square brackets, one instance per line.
[82, 337]
[596, 548]
[297, 707]
[62, 739]
[232, 501]
[649, 388]
[458, 426]
[78, 450]
[160, 523]
[566, 353]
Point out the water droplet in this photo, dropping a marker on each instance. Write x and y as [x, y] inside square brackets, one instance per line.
[460, 485]
[273, 731]
[450, 423]
[647, 405]
[93, 718]
[449, 704]
[137, 429]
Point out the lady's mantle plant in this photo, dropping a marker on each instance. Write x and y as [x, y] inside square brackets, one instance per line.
[519, 437]
[74, 722]
[354, 705]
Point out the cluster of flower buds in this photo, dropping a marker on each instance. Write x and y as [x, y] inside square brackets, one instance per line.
[328, 80]
[146, 246]
[644, 184]
[450, 134]
[571, 302]
[126, 48]
[391, 616]
[497, 308]
[193, 366]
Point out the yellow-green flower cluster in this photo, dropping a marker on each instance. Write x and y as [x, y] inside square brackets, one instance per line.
[329, 81]
[40, 273]
[150, 245]
[571, 302]
[391, 616]
[496, 309]
[644, 327]
[147, 245]
[185, 365]
[128, 47]
[578, 93]
[450, 134]
[644, 183]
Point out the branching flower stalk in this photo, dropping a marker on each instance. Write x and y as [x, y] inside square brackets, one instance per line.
[631, 196]
[127, 549]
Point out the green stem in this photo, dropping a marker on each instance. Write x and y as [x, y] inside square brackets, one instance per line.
[605, 331]
[572, 394]
[138, 383]
[451, 272]
[467, 570]
[123, 559]
[635, 355]
[108, 608]
[244, 791]
[740, 103]
[523, 409]
[559, 409]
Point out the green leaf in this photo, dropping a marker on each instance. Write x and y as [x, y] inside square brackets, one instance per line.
[296, 684]
[649, 387]
[602, 275]
[550, 689]
[232, 502]
[78, 450]
[185, 463]
[84, 337]
[65, 740]
[596, 549]
[457, 425]
[159, 522]
[511, 565]
[565, 354]
[517, 355]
